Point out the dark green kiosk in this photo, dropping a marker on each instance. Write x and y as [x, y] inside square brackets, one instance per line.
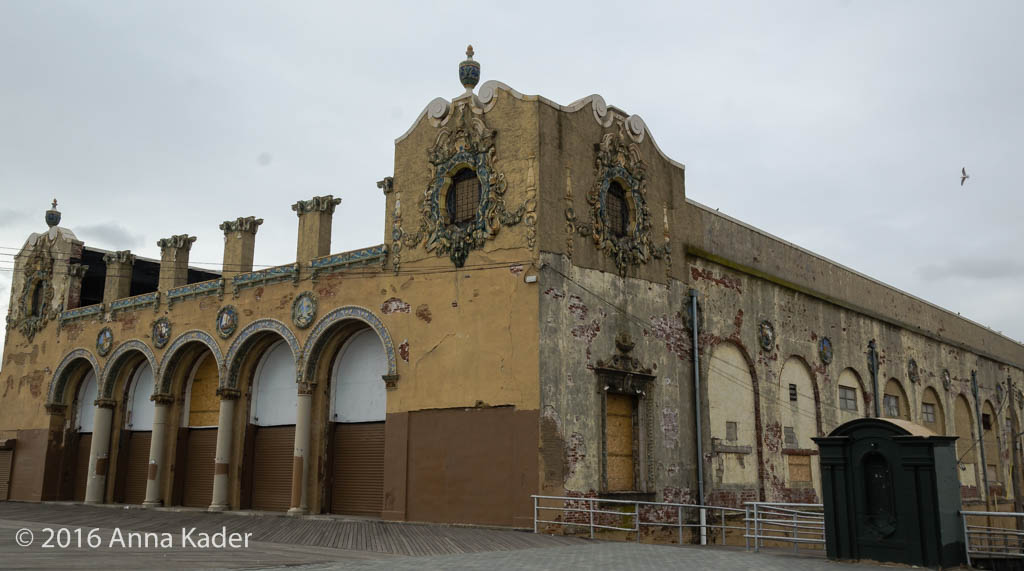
[891, 493]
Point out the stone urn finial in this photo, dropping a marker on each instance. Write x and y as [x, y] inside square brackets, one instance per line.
[53, 215]
[469, 71]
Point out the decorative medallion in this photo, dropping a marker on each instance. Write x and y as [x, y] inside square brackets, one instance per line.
[304, 309]
[1000, 393]
[766, 335]
[466, 143]
[104, 341]
[227, 321]
[912, 371]
[161, 332]
[947, 381]
[825, 350]
[618, 162]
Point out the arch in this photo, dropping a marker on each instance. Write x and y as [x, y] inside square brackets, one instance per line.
[893, 388]
[936, 421]
[274, 398]
[173, 354]
[117, 360]
[357, 391]
[794, 363]
[730, 381]
[58, 384]
[966, 451]
[990, 439]
[139, 409]
[241, 343]
[88, 391]
[317, 336]
[850, 378]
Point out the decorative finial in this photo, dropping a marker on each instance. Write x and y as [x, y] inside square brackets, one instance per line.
[53, 215]
[469, 71]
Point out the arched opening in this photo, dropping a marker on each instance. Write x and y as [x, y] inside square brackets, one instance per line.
[932, 414]
[357, 411]
[88, 391]
[133, 461]
[37, 299]
[894, 401]
[850, 397]
[966, 450]
[272, 415]
[732, 418]
[798, 414]
[191, 438]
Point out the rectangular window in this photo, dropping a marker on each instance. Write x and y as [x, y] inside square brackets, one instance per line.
[789, 437]
[847, 398]
[621, 463]
[730, 431]
[892, 406]
[792, 393]
[928, 412]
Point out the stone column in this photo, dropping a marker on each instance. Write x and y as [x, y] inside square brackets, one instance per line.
[315, 217]
[239, 245]
[73, 296]
[157, 443]
[300, 463]
[99, 453]
[174, 260]
[222, 461]
[118, 284]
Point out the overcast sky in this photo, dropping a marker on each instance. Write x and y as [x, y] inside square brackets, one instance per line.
[840, 126]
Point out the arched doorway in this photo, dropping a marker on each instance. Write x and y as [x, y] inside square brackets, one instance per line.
[88, 391]
[358, 407]
[272, 417]
[133, 465]
[196, 447]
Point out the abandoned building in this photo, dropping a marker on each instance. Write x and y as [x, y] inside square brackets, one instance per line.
[547, 313]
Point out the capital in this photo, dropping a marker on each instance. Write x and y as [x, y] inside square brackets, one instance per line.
[228, 393]
[119, 257]
[241, 224]
[176, 242]
[325, 204]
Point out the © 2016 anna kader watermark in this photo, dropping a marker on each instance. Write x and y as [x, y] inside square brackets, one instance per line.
[188, 538]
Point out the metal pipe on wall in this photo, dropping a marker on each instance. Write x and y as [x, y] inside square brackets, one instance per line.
[981, 436]
[873, 368]
[695, 330]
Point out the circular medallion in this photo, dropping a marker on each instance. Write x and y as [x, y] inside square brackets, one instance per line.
[825, 350]
[227, 321]
[161, 332]
[1000, 394]
[766, 335]
[304, 309]
[947, 381]
[104, 341]
[912, 371]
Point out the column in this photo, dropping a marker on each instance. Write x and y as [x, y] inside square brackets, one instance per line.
[315, 218]
[162, 408]
[174, 253]
[118, 284]
[300, 463]
[222, 461]
[99, 453]
[239, 245]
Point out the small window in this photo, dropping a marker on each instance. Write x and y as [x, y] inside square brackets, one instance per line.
[789, 437]
[986, 421]
[792, 393]
[730, 431]
[37, 300]
[463, 197]
[928, 412]
[617, 210]
[847, 398]
[892, 406]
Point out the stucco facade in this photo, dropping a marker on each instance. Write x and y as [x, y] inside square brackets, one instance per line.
[538, 344]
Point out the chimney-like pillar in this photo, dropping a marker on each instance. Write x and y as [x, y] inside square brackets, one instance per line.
[73, 296]
[118, 284]
[315, 216]
[174, 260]
[239, 244]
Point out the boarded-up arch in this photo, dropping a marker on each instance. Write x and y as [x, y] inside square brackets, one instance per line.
[732, 418]
[850, 396]
[932, 414]
[800, 416]
[894, 401]
[966, 451]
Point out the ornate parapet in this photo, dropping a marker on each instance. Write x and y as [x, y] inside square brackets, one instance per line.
[199, 289]
[355, 258]
[136, 302]
[264, 277]
[81, 313]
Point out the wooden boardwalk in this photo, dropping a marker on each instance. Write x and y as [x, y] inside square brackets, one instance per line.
[365, 535]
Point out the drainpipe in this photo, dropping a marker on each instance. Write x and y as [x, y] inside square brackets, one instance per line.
[873, 367]
[697, 406]
[981, 437]
[1014, 423]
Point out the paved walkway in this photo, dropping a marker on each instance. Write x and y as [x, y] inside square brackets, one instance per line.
[175, 539]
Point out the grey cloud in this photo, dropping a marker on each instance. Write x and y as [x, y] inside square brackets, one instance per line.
[110, 236]
[973, 268]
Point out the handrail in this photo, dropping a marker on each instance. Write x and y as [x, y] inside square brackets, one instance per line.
[999, 542]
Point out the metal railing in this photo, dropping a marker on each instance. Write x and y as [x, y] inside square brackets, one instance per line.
[988, 541]
[597, 514]
[784, 522]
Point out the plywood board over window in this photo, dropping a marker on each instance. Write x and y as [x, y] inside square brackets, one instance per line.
[619, 442]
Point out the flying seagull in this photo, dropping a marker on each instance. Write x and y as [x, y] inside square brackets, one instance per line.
[963, 175]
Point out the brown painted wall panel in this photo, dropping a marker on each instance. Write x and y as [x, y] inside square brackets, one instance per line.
[136, 471]
[29, 465]
[81, 466]
[396, 456]
[467, 465]
[272, 468]
[358, 469]
[200, 455]
[6, 456]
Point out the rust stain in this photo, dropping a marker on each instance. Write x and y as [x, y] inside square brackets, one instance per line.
[423, 312]
[724, 280]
